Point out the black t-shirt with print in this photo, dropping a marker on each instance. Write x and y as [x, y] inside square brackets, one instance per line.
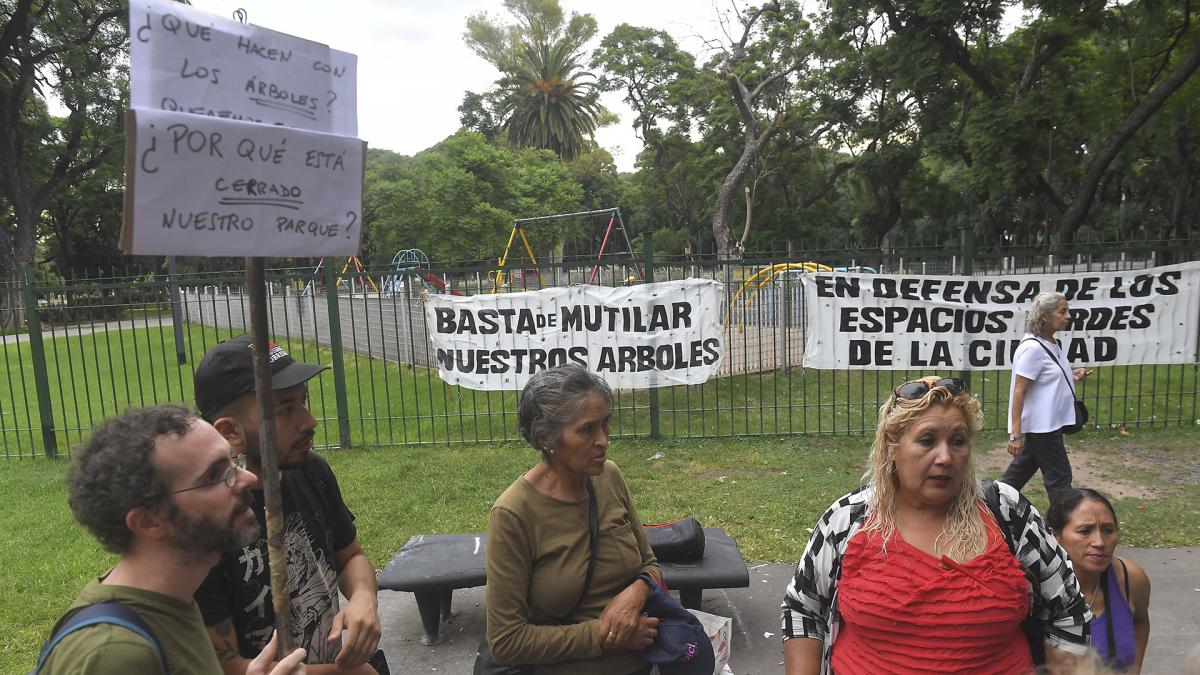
[317, 525]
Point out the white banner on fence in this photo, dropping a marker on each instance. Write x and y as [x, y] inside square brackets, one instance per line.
[186, 60]
[877, 321]
[207, 186]
[651, 335]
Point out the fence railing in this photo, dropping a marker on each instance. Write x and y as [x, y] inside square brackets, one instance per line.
[92, 347]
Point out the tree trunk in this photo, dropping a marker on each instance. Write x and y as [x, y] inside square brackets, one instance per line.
[12, 301]
[1183, 183]
[12, 304]
[725, 197]
[753, 141]
[739, 249]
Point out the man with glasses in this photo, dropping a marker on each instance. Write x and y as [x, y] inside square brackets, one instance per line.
[320, 537]
[160, 488]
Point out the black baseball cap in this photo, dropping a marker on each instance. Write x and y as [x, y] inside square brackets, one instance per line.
[227, 371]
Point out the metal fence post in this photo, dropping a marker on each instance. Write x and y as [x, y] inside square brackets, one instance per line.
[648, 249]
[339, 364]
[176, 310]
[967, 241]
[37, 353]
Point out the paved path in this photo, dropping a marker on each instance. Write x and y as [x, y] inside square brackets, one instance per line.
[757, 650]
[164, 322]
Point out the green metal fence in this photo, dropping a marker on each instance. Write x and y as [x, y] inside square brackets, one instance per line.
[94, 346]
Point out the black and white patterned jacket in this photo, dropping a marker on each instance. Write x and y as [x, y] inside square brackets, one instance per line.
[809, 607]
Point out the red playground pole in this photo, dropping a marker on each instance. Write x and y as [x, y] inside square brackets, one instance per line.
[604, 243]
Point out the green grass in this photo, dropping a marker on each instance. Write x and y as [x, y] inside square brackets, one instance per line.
[92, 376]
[766, 492]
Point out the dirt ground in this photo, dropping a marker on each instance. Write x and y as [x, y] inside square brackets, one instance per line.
[1119, 471]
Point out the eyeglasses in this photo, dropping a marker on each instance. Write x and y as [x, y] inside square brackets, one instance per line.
[229, 478]
[917, 389]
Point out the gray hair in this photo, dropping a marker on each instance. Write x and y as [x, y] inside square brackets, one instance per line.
[1043, 303]
[552, 398]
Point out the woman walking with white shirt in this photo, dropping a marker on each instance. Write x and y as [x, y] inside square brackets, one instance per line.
[1041, 400]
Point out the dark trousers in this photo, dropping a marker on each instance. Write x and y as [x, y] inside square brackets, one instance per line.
[1046, 452]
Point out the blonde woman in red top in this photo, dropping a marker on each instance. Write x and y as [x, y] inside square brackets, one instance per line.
[912, 572]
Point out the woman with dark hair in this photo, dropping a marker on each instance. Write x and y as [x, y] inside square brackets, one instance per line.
[912, 572]
[1085, 524]
[548, 605]
[1041, 398]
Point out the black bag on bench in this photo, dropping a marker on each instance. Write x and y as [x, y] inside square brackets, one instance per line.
[676, 542]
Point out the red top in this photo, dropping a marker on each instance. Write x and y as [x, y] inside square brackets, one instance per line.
[905, 611]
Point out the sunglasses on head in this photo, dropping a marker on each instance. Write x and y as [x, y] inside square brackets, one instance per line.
[917, 389]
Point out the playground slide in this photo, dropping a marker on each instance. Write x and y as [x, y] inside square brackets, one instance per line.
[437, 283]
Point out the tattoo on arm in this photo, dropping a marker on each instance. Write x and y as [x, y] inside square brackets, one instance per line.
[224, 640]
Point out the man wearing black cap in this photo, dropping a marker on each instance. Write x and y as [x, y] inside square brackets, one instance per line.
[323, 551]
[162, 490]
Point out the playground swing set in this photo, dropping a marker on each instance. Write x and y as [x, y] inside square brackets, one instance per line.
[413, 262]
[360, 273]
[615, 225]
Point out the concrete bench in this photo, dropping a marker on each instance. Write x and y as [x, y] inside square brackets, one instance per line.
[431, 566]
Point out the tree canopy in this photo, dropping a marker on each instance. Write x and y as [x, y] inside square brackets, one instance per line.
[843, 123]
[76, 52]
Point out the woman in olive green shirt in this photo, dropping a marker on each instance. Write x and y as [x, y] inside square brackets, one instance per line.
[538, 544]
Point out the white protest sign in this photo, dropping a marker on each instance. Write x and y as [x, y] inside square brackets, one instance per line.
[652, 335]
[881, 321]
[186, 60]
[207, 186]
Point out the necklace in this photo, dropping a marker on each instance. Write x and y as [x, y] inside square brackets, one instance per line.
[1095, 590]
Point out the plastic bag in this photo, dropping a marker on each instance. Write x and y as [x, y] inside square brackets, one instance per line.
[719, 630]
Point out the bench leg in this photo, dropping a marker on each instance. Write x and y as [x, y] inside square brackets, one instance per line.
[447, 597]
[429, 606]
[690, 598]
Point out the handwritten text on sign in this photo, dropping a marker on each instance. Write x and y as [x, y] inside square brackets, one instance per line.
[186, 60]
[204, 186]
[976, 322]
[653, 335]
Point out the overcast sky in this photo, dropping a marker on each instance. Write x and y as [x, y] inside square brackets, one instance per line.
[413, 66]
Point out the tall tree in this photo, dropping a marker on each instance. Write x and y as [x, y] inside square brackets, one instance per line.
[544, 98]
[755, 76]
[82, 223]
[535, 22]
[73, 50]
[670, 97]
[457, 200]
[1007, 82]
[548, 101]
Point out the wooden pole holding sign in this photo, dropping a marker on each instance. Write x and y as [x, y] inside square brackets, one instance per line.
[281, 600]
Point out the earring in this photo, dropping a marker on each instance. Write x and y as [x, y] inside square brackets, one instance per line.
[550, 451]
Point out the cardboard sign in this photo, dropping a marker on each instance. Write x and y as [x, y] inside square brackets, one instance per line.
[186, 60]
[651, 335]
[878, 321]
[206, 186]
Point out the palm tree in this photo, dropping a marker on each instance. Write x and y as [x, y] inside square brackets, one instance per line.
[545, 105]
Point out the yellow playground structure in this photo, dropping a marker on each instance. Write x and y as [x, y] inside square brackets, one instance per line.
[750, 287]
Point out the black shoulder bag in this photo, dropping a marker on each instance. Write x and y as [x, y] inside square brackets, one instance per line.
[485, 662]
[1081, 411]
